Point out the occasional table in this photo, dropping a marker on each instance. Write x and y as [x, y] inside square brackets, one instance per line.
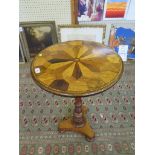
[77, 69]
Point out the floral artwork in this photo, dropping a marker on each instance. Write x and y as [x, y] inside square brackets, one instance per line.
[116, 8]
[123, 36]
[90, 10]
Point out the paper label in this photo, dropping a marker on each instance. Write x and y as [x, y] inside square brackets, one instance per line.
[37, 70]
[20, 29]
[123, 52]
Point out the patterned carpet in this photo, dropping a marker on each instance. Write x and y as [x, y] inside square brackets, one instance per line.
[111, 114]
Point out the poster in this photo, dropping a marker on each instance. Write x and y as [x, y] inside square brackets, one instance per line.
[90, 10]
[116, 8]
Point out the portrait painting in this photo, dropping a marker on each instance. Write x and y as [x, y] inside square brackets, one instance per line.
[116, 8]
[90, 10]
[39, 36]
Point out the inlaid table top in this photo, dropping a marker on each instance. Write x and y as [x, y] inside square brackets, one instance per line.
[76, 68]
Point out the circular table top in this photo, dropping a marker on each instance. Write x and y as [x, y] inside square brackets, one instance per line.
[76, 68]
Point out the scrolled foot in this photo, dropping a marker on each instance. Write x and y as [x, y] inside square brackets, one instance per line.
[90, 139]
[61, 131]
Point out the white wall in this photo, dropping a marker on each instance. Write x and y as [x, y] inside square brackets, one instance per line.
[131, 10]
[44, 10]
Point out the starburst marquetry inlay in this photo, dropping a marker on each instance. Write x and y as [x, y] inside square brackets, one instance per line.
[77, 68]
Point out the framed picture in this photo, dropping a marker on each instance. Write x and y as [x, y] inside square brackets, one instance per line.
[22, 58]
[123, 36]
[36, 36]
[116, 9]
[81, 32]
[90, 10]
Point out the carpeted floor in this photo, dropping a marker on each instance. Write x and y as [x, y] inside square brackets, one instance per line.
[111, 114]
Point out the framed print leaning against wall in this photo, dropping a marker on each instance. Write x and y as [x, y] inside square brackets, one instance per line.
[36, 36]
[120, 35]
[22, 58]
[81, 32]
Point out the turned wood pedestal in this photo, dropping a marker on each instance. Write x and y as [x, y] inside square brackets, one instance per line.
[78, 122]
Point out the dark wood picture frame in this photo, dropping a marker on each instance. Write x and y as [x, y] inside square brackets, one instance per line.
[29, 41]
[74, 11]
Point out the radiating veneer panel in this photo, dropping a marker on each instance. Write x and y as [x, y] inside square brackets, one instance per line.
[77, 68]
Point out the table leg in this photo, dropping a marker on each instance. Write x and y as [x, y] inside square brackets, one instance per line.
[78, 123]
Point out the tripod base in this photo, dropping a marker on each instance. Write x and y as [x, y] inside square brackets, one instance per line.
[69, 125]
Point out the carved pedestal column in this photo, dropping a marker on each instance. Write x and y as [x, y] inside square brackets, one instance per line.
[78, 118]
[78, 122]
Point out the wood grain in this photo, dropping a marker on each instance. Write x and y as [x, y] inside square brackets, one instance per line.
[77, 68]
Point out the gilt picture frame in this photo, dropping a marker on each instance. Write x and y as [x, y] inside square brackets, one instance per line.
[36, 36]
[81, 32]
